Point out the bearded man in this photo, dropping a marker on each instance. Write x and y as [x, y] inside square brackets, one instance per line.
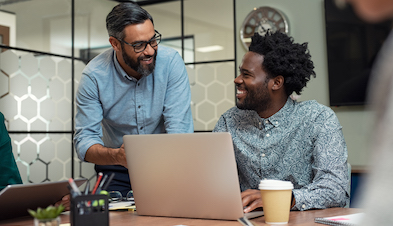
[136, 87]
[276, 137]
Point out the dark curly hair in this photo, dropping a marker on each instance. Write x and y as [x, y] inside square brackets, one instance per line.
[284, 57]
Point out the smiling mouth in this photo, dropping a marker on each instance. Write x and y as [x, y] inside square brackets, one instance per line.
[147, 59]
[240, 93]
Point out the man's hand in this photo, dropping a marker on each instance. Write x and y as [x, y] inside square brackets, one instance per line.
[251, 199]
[122, 156]
[65, 201]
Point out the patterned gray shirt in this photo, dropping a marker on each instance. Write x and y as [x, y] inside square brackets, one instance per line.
[302, 143]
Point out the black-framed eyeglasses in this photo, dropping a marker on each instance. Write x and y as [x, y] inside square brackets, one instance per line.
[116, 196]
[141, 46]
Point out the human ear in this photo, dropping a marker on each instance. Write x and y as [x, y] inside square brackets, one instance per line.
[278, 82]
[116, 45]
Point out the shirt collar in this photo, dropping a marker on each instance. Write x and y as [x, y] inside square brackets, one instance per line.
[282, 115]
[120, 70]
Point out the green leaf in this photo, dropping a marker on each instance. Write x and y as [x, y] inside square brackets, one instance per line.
[60, 209]
[40, 214]
[49, 212]
[32, 213]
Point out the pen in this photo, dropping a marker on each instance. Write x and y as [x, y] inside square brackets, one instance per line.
[108, 181]
[244, 221]
[86, 192]
[71, 191]
[98, 182]
[74, 188]
[101, 184]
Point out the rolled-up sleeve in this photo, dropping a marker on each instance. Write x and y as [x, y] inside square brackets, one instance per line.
[88, 130]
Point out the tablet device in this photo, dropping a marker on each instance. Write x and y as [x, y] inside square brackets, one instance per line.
[185, 175]
[17, 198]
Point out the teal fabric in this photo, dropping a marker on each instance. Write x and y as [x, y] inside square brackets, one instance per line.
[9, 173]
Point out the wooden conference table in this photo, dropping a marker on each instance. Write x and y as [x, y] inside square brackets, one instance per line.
[303, 218]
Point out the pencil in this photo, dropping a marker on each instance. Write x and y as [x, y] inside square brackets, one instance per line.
[98, 182]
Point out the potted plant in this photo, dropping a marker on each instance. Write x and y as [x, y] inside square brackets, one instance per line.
[48, 216]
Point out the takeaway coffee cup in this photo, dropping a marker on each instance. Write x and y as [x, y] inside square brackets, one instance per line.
[276, 198]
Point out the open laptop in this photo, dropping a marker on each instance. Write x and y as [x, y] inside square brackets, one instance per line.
[17, 198]
[184, 175]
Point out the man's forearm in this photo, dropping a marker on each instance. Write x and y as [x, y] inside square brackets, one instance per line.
[101, 155]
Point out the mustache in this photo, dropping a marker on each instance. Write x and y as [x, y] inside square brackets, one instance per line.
[142, 57]
[240, 87]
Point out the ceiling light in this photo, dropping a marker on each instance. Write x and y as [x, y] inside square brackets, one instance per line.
[207, 49]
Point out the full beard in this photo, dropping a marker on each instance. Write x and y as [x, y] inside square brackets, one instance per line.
[257, 100]
[137, 66]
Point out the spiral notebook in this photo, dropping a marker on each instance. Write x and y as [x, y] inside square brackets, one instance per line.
[350, 220]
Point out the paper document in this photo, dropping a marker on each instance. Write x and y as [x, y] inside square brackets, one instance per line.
[124, 205]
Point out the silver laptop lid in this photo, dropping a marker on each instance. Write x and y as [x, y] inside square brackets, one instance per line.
[184, 175]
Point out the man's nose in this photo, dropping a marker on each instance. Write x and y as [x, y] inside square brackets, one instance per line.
[149, 51]
[238, 80]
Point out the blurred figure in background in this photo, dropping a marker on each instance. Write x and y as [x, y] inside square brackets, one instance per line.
[377, 195]
[9, 173]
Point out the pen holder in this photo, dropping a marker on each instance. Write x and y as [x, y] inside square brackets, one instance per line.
[89, 210]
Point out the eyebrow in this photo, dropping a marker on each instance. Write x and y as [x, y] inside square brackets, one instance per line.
[136, 42]
[244, 70]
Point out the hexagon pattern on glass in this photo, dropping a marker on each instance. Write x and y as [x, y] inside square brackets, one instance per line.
[35, 95]
[212, 93]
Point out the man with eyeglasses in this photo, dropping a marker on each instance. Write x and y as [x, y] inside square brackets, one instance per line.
[137, 87]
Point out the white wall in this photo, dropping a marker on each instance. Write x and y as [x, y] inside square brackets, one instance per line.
[307, 24]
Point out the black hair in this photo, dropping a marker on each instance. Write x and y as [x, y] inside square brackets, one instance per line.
[125, 14]
[284, 57]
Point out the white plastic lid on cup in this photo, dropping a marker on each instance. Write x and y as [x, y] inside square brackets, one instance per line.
[275, 185]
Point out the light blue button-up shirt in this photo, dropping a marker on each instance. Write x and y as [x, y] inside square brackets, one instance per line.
[302, 143]
[111, 104]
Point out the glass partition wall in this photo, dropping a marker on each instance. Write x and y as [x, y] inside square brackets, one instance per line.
[46, 44]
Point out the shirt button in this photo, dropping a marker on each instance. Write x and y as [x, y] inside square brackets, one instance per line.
[267, 121]
[267, 135]
[303, 206]
[263, 154]
[139, 106]
[141, 127]
[139, 84]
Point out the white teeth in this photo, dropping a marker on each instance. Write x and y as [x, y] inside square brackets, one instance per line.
[147, 59]
[240, 92]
